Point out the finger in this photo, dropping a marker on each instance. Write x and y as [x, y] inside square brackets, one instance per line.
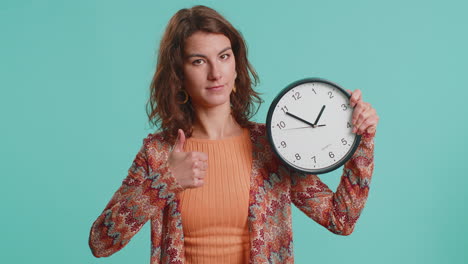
[371, 129]
[357, 112]
[197, 183]
[199, 156]
[363, 115]
[370, 122]
[180, 141]
[355, 97]
[197, 173]
[201, 165]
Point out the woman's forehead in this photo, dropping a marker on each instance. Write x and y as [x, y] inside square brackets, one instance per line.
[206, 43]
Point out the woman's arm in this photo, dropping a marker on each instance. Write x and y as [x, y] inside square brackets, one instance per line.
[338, 211]
[142, 195]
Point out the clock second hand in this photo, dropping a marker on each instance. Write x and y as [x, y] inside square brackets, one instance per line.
[303, 127]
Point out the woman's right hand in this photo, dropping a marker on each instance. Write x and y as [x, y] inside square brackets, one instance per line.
[189, 168]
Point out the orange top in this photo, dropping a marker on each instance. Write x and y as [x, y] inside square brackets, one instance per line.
[214, 216]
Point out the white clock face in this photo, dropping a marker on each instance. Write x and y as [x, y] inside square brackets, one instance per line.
[310, 126]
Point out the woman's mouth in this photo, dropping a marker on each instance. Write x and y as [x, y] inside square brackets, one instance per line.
[215, 88]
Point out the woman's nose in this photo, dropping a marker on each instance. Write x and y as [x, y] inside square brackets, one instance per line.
[214, 72]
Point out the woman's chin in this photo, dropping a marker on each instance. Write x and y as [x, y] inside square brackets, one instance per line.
[214, 101]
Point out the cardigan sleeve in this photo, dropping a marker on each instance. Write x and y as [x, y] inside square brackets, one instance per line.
[143, 195]
[338, 211]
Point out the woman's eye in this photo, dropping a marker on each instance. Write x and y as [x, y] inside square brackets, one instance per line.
[197, 62]
[224, 56]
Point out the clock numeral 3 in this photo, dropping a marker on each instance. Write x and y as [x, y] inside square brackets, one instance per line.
[281, 125]
[296, 96]
[345, 107]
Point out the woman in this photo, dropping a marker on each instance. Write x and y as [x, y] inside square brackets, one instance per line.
[209, 182]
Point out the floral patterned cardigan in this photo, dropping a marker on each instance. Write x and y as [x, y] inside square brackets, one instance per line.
[149, 193]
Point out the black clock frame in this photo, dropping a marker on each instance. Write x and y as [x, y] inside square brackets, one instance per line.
[268, 124]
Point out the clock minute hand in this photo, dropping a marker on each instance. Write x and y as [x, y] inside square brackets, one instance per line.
[300, 119]
[319, 115]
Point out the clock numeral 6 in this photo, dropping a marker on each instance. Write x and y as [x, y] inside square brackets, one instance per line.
[298, 157]
[281, 125]
[331, 154]
[296, 96]
[283, 144]
[344, 141]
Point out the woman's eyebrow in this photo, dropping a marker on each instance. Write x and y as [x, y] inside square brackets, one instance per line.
[204, 56]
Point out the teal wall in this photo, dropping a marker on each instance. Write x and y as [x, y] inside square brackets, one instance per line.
[74, 82]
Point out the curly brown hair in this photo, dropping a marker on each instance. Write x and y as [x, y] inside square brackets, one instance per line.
[164, 107]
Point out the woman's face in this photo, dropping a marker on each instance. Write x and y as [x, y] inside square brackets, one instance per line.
[209, 69]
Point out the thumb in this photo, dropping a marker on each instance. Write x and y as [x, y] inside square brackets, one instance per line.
[180, 141]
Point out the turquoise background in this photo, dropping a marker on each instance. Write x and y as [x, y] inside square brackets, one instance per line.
[74, 83]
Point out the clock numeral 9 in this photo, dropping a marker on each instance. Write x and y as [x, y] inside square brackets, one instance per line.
[283, 144]
[298, 157]
[344, 141]
[296, 96]
[331, 154]
[330, 94]
[281, 125]
[345, 107]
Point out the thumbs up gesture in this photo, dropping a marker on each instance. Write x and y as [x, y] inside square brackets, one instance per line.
[189, 168]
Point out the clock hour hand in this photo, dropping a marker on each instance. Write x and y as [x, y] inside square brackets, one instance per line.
[319, 115]
[300, 119]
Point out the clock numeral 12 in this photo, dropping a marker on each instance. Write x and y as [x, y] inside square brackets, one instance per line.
[296, 96]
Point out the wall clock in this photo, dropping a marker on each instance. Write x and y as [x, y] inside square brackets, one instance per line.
[309, 126]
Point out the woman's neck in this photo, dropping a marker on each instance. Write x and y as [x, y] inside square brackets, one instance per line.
[215, 123]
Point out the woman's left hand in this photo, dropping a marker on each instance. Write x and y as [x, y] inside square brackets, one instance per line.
[365, 117]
